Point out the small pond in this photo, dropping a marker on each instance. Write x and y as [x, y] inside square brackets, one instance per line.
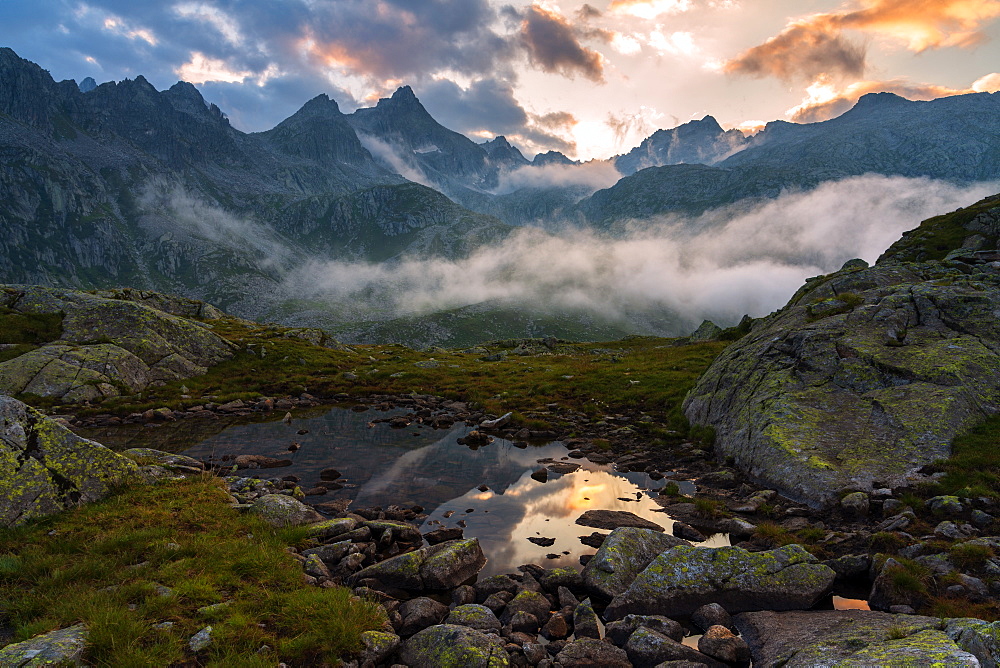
[382, 466]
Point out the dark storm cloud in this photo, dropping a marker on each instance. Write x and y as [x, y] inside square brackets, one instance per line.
[489, 105]
[553, 45]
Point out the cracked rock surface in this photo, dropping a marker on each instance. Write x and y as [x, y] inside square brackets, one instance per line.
[111, 343]
[864, 377]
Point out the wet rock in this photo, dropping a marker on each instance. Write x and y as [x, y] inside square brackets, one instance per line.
[720, 643]
[63, 647]
[585, 622]
[541, 541]
[259, 462]
[688, 532]
[443, 534]
[419, 613]
[280, 510]
[377, 646]
[622, 556]
[646, 648]
[848, 638]
[541, 475]
[594, 540]
[452, 646]
[682, 579]
[436, 568]
[613, 519]
[474, 616]
[619, 632]
[591, 652]
[712, 614]
[329, 474]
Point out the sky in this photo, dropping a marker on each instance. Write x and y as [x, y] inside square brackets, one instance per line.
[590, 79]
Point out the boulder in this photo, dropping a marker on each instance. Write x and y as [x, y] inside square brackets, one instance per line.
[848, 638]
[46, 468]
[63, 647]
[684, 578]
[451, 646]
[886, 593]
[978, 637]
[622, 556]
[532, 602]
[591, 652]
[620, 631]
[720, 643]
[712, 614]
[613, 519]
[585, 622]
[647, 648]
[419, 613]
[863, 393]
[435, 568]
[474, 616]
[280, 510]
[106, 344]
[377, 646]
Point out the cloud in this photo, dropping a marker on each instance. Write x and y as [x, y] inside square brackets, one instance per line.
[488, 107]
[590, 175]
[648, 9]
[201, 69]
[815, 45]
[801, 50]
[719, 265]
[553, 45]
[824, 100]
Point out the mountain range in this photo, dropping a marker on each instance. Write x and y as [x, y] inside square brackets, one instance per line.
[119, 184]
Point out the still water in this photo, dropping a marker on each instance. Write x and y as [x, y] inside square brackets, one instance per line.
[382, 466]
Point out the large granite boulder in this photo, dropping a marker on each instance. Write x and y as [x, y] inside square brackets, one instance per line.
[682, 579]
[63, 647]
[847, 638]
[451, 646]
[46, 468]
[281, 510]
[109, 345]
[622, 556]
[866, 375]
[977, 637]
[435, 568]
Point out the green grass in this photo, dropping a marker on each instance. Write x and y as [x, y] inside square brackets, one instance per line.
[938, 236]
[974, 466]
[101, 564]
[966, 556]
[29, 328]
[643, 374]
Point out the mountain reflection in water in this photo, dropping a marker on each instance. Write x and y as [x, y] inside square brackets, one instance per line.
[418, 465]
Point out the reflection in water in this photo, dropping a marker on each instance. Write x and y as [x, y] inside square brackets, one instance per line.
[382, 466]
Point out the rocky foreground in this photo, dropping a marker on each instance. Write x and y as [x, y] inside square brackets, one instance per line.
[633, 604]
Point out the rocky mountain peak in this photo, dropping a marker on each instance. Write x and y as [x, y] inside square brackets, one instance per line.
[321, 106]
[87, 85]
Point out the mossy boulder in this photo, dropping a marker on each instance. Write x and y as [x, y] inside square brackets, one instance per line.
[682, 579]
[622, 556]
[435, 568]
[812, 401]
[847, 638]
[280, 510]
[452, 646]
[978, 637]
[63, 647]
[474, 616]
[46, 468]
[109, 345]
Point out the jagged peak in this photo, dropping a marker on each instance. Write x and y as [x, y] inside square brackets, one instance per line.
[499, 142]
[185, 90]
[321, 105]
[87, 85]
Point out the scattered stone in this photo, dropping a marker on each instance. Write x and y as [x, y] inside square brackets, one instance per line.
[585, 622]
[856, 503]
[712, 614]
[682, 579]
[594, 540]
[443, 534]
[541, 475]
[531, 602]
[720, 643]
[620, 631]
[474, 616]
[646, 648]
[591, 652]
[452, 646]
[541, 541]
[200, 640]
[613, 519]
[419, 613]
[946, 505]
[557, 627]
[436, 568]
[280, 510]
[378, 646]
[259, 462]
[688, 532]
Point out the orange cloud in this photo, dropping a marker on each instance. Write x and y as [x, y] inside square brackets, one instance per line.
[553, 46]
[814, 45]
[825, 101]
